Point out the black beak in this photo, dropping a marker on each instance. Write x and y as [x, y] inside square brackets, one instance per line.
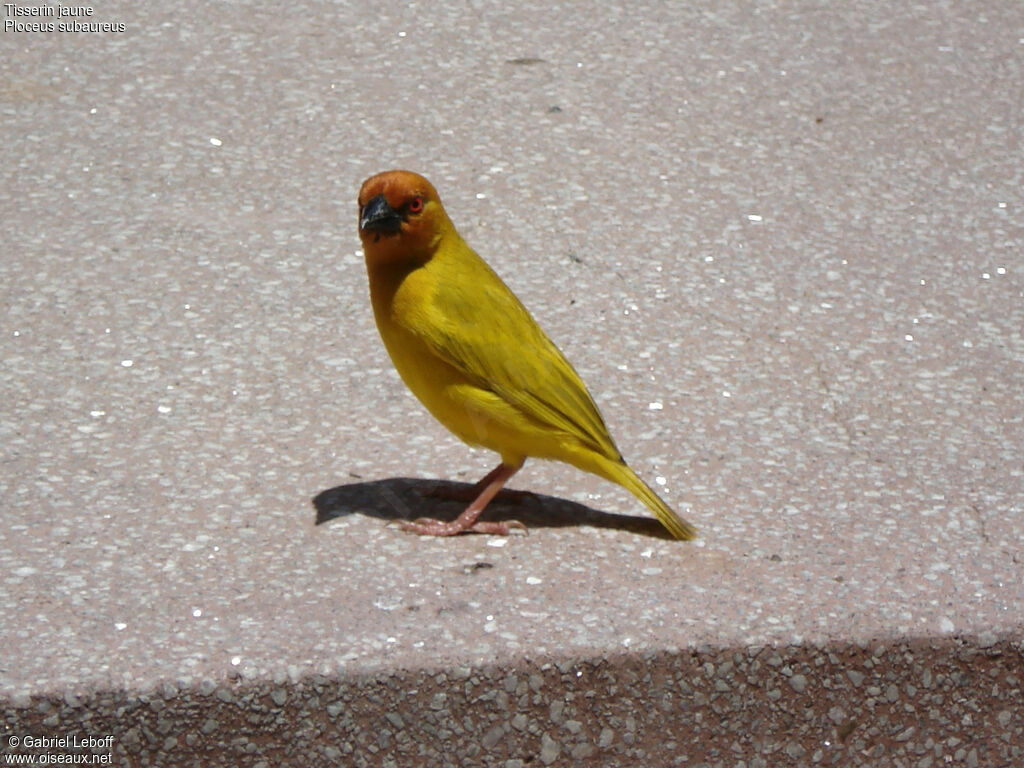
[378, 216]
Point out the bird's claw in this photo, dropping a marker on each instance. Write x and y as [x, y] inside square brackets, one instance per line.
[429, 526]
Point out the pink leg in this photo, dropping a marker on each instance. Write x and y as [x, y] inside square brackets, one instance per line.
[467, 521]
[469, 493]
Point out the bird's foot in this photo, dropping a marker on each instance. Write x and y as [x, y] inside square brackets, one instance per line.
[428, 526]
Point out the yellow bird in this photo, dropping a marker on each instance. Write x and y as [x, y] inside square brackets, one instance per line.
[473, 355]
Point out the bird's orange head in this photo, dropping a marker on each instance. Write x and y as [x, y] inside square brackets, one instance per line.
[401, 218]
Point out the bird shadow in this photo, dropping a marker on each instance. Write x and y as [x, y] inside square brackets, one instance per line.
[406, 498]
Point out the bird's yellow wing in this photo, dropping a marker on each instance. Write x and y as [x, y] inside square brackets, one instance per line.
[476, 324]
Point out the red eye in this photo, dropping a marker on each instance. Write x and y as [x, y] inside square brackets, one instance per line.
[416, 205]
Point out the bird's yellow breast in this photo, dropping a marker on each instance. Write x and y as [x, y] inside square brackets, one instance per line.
[408, 309]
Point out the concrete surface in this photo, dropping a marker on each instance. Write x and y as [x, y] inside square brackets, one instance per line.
[782, 242]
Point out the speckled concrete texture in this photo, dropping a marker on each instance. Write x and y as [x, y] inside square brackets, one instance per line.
[913, 704]
[782, 242]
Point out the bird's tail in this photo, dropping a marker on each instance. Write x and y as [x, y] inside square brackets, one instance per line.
[619, 472]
